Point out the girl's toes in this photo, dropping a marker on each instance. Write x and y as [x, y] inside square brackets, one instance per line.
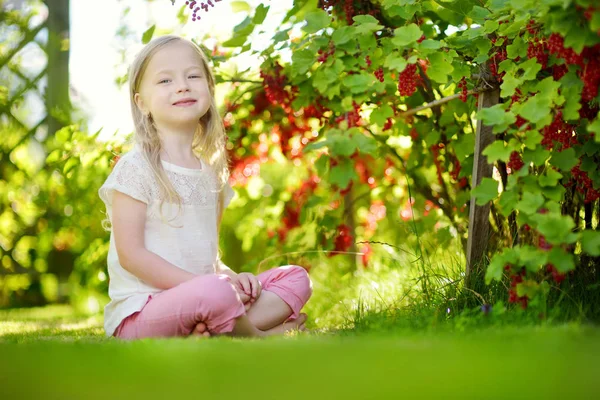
[201, 329]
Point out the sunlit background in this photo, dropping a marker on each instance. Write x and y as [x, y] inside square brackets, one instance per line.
[98, 56]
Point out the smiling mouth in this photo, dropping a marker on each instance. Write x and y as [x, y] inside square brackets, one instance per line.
[185, 103]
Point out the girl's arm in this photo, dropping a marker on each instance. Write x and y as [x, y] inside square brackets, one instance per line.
[128, 222]
[222, 268]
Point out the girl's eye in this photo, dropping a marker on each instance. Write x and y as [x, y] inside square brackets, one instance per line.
[195, 76]
[164, 80]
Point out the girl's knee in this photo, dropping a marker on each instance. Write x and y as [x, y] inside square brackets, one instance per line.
[301, 281]
[216, 292]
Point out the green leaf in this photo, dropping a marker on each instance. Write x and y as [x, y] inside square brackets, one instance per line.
[342, 173]
[236, 41]
[518, 48]
[532, 139]
[395, 61]
[464, 146]
[381, 114]
[538, 156]
[562, 261]
[367, 24]
[595, 127]
[490, 26]
[509, 84]
[342, 35]
[497, 117]
[70, 164]
[406, 35]
[590, 242]
[535, 108]
[316, 20]
[302, 60]
[364, 144]
[498, 150]
[486, 191]
[237, 6]
[358, 83]
[342, 145]
[439, 67]
[496, 266]
[321, 164]
[430, 44]
[556, 228]
[260, 14]
[532, 258]
[54, 156]
[564, 160]
[551, 178]
[147, 36]
[507, 201]
[530, 202]
[530, 69]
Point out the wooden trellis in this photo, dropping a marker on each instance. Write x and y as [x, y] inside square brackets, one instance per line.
[21, 32]
[56, 93]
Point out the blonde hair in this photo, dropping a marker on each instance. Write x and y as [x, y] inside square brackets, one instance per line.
[209, 138]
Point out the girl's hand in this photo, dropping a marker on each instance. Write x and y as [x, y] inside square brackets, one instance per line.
[248, 285]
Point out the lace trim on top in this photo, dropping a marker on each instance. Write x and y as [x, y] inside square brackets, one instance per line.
[194, 186]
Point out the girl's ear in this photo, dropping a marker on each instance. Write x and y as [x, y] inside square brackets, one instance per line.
[140, 103]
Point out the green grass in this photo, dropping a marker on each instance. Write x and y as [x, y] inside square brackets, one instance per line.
[52, 353]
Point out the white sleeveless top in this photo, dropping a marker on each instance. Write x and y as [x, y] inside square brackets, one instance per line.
[185, 238]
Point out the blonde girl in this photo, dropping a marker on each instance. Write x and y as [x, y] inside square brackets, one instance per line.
[164, 201]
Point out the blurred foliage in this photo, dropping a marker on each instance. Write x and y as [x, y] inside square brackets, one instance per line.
[322, 159]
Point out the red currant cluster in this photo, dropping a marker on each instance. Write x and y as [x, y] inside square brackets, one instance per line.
[242, 168]
[559, 131]
[324, 55]
[456, 167]
[388, 124]
[352, 117]
[407, 82]
[291, 215]
[537, 49]
[496, 59]
[350, 8]
[556, 46]
[515, 162]
[532, 28]
[435, 151]
[462, 85]
[315, 110]
[557, 276]
[584, 185]
[274, 86]
[343, 239]
[368, 60]
[204, 6]
[361, 165]
[515, 279]
[379, 74]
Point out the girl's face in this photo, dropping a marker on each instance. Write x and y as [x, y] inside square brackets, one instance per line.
[174, 88]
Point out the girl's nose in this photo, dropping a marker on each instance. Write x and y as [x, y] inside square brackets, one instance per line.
[183, 87]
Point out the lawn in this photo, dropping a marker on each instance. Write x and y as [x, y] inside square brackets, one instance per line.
[51, 353]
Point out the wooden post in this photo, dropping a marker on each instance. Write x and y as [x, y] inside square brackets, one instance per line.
[479, 222]
[58, 104]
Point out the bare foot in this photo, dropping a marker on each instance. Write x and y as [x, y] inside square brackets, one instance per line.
[200, 330]
[288, 326]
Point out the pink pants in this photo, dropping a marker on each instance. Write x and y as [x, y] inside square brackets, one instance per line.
[211, 299]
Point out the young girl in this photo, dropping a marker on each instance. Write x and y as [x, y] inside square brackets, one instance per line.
[164, 200]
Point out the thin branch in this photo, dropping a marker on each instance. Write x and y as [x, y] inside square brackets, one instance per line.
[439, 102]
[240, 80]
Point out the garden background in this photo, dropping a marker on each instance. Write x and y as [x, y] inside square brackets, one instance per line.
[432, 164]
